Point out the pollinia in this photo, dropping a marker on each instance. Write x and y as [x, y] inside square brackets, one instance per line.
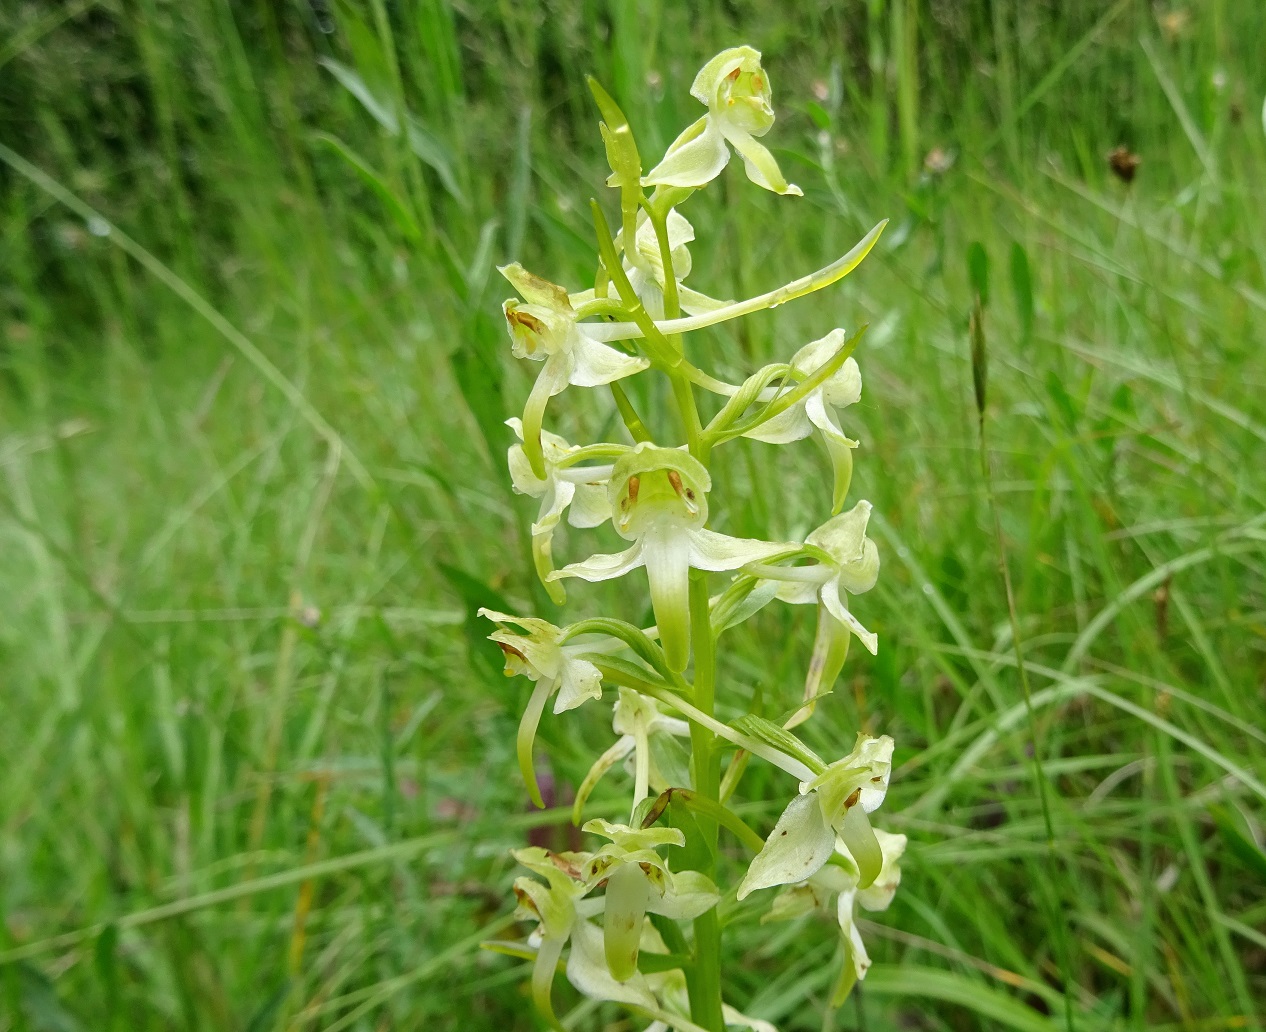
[637, 919]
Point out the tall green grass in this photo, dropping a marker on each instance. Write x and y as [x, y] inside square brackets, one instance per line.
[257, 761]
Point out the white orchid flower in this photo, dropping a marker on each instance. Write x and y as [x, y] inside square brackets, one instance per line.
[639, 882]
[556, 904]
[644, 266]
[816, 411]
[832, 804]
[580, 491]
[544, 328]
[849, 565]
[736, 90]
[671, 990]
[838, 881]
[636, 719]
[659, 498]
[557, 668]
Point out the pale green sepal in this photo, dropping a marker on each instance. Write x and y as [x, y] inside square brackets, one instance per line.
[694, 159]
[830, 650]
[879, 894]
[543, 971]
[796, 849]
[691, 895]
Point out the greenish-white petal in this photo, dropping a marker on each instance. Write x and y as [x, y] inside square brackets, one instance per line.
[595, 364]
[590, 506]
[792, 424]
[760, 165]
[691, 893]
[603, 566]
[588, 973]
[833, 599]
[712, 551]
[578, 681]
[694, 159]
[799, 845]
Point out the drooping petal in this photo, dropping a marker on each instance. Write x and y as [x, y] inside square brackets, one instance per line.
[666, 548]
[622, 747]
[830, 649]
[712, 551]
[596, 364]
[603, 566]
[547, 956]
[832, 598]
[852, 935]
[790, 425]
[554, 502]
[694, 159]
[628, 894]
[527, 736]
[796, 849]
[578, 681]
[761, 167]
[839, 447]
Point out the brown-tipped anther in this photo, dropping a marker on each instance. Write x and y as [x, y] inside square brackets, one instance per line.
[510, 650]
[674, 478]
[635, 485]
[851, 801]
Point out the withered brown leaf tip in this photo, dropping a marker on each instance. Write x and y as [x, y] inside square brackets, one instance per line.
[1124, 163]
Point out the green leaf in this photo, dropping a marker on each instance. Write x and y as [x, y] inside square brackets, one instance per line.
[978, 271]
[396, 207]
[912, 980]
[1235, 837]
[1022, 287]
[425, 144]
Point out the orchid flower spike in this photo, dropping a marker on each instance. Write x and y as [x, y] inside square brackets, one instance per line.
[543, 328]
[659, 498]
[849, 564]
[556, 904]
[816, 411]
[636, 719]
[580, 491]
[838, 881]
[736, 90]
[834, 803]
[557, 668]
[639, 882]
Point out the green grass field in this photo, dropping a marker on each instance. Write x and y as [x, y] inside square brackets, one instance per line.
[258, 759]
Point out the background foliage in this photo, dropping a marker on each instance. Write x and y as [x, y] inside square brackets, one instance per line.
[257, 762]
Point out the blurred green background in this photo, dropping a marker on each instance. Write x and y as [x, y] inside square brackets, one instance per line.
[257, 757]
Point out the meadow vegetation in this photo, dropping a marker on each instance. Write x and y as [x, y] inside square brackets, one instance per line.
[258, 756]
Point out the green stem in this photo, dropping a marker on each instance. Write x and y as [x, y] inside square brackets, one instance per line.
[705, 986]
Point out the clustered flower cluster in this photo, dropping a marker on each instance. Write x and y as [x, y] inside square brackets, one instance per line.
[615, 909]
